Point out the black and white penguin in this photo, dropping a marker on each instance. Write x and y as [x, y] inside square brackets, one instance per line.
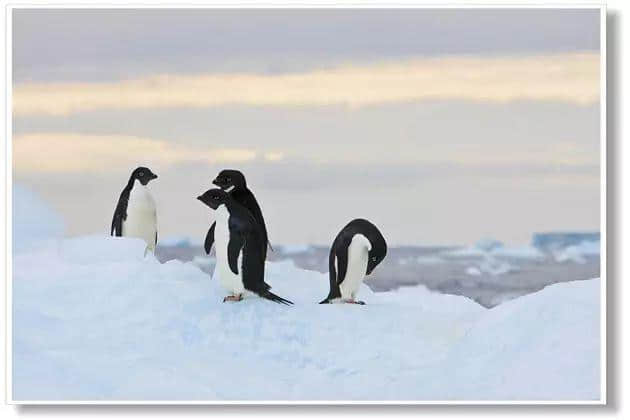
[239, 248]
[135, 215]
[355, 252]
[233, 182]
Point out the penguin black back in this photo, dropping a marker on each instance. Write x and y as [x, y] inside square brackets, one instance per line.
[338, 257]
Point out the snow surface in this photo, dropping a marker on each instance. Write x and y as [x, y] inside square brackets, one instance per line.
[95, 320]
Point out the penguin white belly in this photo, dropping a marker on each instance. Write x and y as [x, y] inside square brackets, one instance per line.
[231, 282]
[141, 219]
[358, 254]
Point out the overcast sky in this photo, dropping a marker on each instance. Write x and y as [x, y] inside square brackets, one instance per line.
[440, 126]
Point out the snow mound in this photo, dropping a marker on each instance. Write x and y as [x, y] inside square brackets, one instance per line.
[97, 249]
[204, 262]
[123, 326]
[34, 222]
[543, 346]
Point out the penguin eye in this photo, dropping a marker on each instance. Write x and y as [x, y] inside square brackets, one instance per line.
[141, 174]
[228, 179]
[374, 259]
[215, 197]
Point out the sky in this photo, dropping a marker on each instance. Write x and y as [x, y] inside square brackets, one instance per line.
[441, 126]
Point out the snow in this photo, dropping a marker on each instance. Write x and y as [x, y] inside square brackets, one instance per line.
[33, 220]
[546, 344]
[94, 319]
[204, 262]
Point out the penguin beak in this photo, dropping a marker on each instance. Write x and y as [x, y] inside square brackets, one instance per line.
[199, 198]
[215, 182]
[154, 176]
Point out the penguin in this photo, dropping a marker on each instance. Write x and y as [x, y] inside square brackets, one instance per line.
[233, 182]
[354, 253]
[239, 248]
[135, 215]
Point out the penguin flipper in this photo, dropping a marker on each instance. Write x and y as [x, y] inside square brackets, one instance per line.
[209, 238]
[117, 223]
[234, 248]
[342, 257]
[120, 213]
[332, 274]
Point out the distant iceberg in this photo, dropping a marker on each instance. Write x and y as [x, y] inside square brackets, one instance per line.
[553, 241]
[578, 253]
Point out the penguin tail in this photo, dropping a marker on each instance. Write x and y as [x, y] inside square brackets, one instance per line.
[274, 298]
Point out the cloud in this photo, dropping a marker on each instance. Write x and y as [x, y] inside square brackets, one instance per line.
[569, 77]
[71, 152]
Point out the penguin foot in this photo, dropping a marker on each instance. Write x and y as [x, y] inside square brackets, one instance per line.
[356, 302]
[233, 298]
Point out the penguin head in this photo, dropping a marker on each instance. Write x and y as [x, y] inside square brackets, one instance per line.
[230, 178]
[378, 246]
[143, 174]
[376, 254]
[214, 198]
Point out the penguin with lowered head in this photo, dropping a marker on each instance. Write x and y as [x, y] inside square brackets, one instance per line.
[355, 252]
